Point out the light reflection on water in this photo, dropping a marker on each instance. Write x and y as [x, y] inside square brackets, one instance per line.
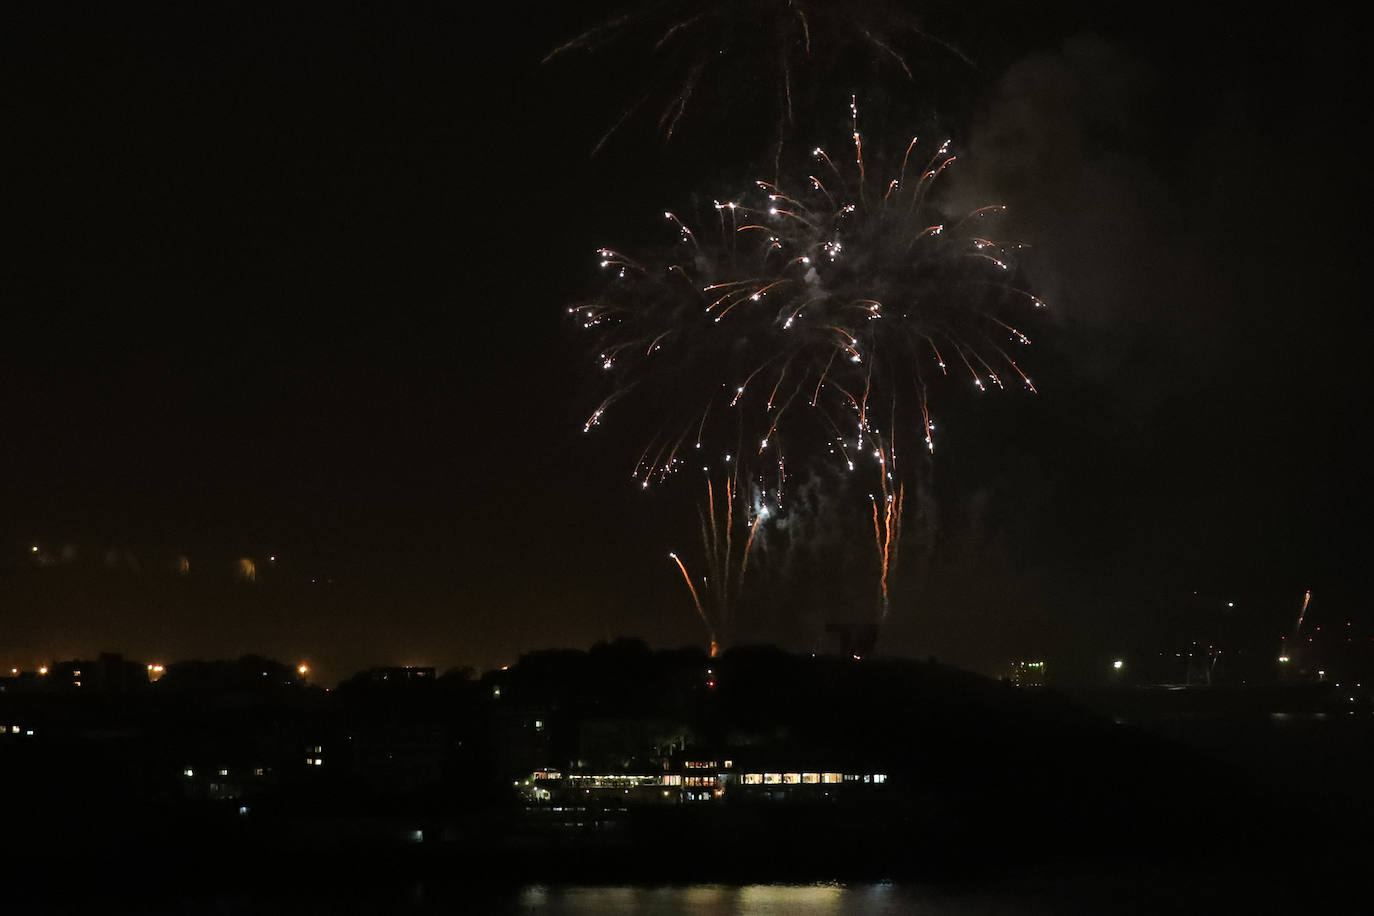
[1138, 888]
[721, 899]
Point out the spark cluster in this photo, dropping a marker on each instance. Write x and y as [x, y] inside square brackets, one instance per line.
[803, 325]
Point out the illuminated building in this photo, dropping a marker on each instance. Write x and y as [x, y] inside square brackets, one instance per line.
[406, 674]
[109, 673]
[694, 781]
[1027, 674]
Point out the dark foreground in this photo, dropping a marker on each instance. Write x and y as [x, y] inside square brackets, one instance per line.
[1256, 846]
[998, 800]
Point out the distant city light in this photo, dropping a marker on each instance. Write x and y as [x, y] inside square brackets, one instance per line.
[43, 669]
[1117, 665]
[302, 669]
[33, 549]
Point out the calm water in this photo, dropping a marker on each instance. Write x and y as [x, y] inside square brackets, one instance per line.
[824, 899]
[754, 900]
[1137, 890]
[1145, 891]
[1142, 892]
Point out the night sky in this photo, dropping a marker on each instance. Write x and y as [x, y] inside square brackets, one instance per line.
[292, 282]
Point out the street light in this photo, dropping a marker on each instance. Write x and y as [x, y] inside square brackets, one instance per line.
[1117, 665]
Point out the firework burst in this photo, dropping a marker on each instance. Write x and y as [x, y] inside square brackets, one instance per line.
[806, 325]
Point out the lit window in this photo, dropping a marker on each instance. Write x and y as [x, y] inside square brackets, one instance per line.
[672, 780]
[223, 772]
[319, 761]
[729, 764]
[832, 777]
[257, 771]
[188, 772]
[539, 725]
[880, 777]
[309, 761]
[791, 779]
[811, 778]
[772, 779]
[753, 779]
[15, 729]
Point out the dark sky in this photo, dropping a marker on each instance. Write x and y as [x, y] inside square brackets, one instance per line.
[292, 282]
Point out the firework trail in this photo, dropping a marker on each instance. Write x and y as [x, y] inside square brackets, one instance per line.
[805, 327]
[758, 57]
[730, 519]
[1307, 596]
[696, 601]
